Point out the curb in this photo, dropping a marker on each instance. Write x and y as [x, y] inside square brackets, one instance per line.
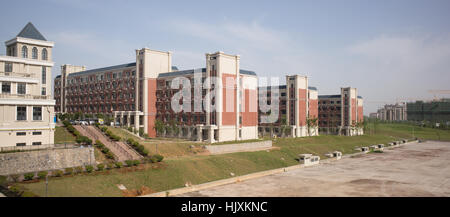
[206, 185]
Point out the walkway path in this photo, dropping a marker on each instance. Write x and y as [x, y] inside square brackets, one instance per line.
[121, 150]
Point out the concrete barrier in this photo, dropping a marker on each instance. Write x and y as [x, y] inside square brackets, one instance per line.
[239, 147]
[308, 159]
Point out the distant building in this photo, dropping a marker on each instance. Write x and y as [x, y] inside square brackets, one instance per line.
[395, 112]
[26, 103]
[340, 114]
[434, 111]
[297, 109]
[373, 115]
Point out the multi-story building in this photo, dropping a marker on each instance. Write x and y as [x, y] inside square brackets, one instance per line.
[139, 94]
[342, 113]
[435, 111]
[395, 112]
[26, 105]
[297, 110]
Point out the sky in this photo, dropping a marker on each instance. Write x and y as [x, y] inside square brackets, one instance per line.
[391, 51]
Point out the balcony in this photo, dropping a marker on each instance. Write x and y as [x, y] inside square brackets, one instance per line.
[17, 74]
[23, 96]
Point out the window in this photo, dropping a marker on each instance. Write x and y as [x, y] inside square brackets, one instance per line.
[20, 144]
[44, 91]
[44, 54]
[44, 75]
[37, 143]
[34, 53]
[6, 87]
[37, 113]
[21, 88]
[21, 133]
[37, 133]
[8, 67]
[24, 52]
[21, 113]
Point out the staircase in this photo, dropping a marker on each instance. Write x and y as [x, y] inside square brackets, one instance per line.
[121, 150]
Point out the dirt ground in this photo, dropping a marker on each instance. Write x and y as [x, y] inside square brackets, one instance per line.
[417, 169]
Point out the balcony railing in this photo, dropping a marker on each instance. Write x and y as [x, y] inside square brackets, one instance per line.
[23, 96]
[17, 74]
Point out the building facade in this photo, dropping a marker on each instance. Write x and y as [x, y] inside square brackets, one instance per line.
[397, 112]
[341, 114]
[26, 104]
[140, 94]
[435, 111]
[297, 109]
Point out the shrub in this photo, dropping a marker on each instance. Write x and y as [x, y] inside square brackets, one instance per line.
[109, 166]
[130, 141]
[144, 153]
[153, 159]
[130, 129]
[109, 155]
[100, 167]
[3, 180]
[68, 171]
[78, 169]
[158, 157]
[141, 132]
[57, 173]
[105, 150]
[104, 129]
[89, 168]
[118, 164]
[129, 163]
[136, 162]
[28, 176]
[42, 174]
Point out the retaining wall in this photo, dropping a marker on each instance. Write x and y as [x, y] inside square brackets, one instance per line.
[239, 147]
[43, 160]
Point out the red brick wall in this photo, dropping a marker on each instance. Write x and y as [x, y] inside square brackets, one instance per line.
[151, 107]
[313, 108]
[302, 107]
[360, 114]
[250, 114]
[354, 110]
[228, 117]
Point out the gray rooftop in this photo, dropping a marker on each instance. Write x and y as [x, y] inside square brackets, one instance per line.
[104, 69]
[29, 31]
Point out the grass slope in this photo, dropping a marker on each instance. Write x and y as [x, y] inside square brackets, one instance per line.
[200, 169]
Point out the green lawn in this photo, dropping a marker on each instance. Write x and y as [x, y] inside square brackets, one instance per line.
[196, 169]
[63, 136]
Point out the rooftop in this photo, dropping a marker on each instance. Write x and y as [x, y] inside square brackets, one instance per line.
[30, 31]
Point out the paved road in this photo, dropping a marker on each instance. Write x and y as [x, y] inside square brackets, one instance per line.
[417, 169]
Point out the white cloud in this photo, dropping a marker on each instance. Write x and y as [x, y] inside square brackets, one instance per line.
[266, 50]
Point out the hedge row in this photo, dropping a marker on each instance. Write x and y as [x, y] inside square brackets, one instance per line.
[80, 139]
[112, 136]
[104, 149]
[138, 147]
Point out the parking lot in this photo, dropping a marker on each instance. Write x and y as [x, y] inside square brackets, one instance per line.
[416, 169]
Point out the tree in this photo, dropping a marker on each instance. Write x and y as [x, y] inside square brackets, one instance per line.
[311, 123]
[159, 127]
